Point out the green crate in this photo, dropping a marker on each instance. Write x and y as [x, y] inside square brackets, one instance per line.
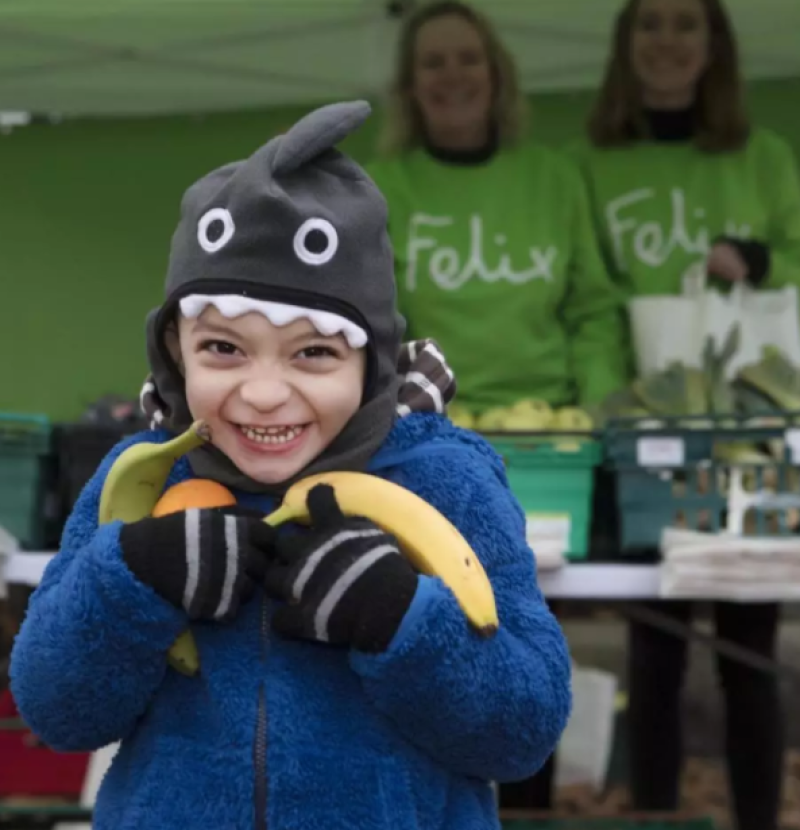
[24, 446]
[677, 474]
[553, 480]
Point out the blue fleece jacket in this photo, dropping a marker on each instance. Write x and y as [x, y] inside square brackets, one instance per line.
[407, 739]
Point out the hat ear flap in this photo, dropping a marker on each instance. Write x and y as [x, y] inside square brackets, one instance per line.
[165, 387]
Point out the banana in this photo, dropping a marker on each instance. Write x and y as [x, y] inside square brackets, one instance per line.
[136, 479]
[183, 655]
[427, 539]
[132, 489]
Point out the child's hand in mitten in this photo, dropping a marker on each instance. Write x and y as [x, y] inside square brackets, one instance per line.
[207, 562]
[344, 583]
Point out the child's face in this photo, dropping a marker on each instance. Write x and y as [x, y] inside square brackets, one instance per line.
[274, 397]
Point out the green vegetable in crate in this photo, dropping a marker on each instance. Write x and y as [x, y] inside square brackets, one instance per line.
[620, 404]
[676, 391]
[528, 415]
[492, 419]
[572, 419]
[740, 452]
[535, 407]
[752, 403]
[533, 415]
[759, 411]
[460, 416]
[774, 376]
[719, 391]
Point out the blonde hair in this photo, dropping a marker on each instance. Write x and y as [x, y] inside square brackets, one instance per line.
[403, 127]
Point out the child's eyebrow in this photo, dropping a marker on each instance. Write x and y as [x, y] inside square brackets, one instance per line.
[313, 334]
[203, 326]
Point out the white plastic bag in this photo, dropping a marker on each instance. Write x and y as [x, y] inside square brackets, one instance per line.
[584, 752]
[9, 545]
[675, 328]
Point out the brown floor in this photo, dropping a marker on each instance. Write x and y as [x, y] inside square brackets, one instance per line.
[704, 793]
[705, 788]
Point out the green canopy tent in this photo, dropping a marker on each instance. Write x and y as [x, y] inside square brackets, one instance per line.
[146, 57]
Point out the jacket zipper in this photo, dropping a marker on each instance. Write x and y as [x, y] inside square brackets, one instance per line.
[260, 742]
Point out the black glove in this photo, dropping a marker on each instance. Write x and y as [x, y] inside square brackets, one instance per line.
[345, 582]
[756, 256]
[207, 562]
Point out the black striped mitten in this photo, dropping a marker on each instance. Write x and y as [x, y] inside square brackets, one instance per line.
[345, 582]
[207, 562]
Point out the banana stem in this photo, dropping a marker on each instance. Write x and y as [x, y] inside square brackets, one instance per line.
[197, 435]
[202, 430]
[280, 516]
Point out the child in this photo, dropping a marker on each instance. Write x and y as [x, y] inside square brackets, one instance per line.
[371, 704]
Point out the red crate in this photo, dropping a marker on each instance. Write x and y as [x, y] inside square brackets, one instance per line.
[27, 768]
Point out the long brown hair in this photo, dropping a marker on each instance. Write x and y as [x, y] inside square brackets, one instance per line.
[722, 124]
[404, 128]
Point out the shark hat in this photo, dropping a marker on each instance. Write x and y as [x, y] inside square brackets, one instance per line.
[298, 230]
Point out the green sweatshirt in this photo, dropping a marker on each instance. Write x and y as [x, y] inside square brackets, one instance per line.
[658, 207]
[498, 262]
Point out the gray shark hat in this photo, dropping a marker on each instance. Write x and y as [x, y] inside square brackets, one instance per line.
[297, 230]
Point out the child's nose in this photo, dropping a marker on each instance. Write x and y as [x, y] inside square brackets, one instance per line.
[265, 394]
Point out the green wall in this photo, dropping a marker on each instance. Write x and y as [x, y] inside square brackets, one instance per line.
[87, 210]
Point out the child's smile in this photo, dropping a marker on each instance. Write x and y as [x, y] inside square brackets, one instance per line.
[273, 439]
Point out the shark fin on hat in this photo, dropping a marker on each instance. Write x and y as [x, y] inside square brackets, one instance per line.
[317, 133]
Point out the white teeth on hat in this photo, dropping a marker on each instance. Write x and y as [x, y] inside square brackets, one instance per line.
[232, 305]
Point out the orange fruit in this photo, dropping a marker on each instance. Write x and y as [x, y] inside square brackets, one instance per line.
[196, 492]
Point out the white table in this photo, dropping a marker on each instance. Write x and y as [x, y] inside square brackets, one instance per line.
[23, 568]
[601, 581]
[573, 581]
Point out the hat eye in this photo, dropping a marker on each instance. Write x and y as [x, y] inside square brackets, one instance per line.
[215, 229]
[316, 242]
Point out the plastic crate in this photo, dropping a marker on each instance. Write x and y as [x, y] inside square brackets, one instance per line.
[553, 480]
[24, 447]
[676, 475]
[80, 449]
[28, 767]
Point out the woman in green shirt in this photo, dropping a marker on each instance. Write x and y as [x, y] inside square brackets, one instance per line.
[677, 175]
[496, 256]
